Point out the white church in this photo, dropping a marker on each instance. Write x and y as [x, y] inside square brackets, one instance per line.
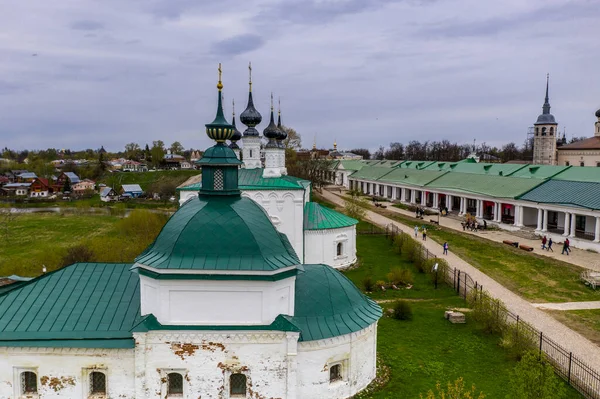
[238, 297]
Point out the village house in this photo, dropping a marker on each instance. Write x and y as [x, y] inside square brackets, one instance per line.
[26, 177]
[18, 189]
[133, 166]
[131, 190]
[40, 188]
[85, 185]
[107, 194]
[71, 177]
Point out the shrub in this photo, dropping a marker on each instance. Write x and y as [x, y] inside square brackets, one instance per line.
[380, 283]
[402, 310]
[533, 378]
[399, 241]
[413, 251]
[368, 284]
[442, 269]
[455, 390]
[517, 340]
[400, 277]
[142, 224]
[489, 312]
[77, 254]
[355, 205]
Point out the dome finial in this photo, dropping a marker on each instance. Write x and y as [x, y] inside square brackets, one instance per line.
[219, 129]
[250, 75]
[219, 84]
[271, 132]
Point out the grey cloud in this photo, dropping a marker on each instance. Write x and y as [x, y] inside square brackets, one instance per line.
[10, 88]
[238, 44]
[174, 9]
[87, 25]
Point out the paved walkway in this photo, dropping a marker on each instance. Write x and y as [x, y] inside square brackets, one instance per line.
[569, 339]
[568, 305]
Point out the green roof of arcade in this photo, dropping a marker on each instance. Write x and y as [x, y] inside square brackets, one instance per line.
[223, 234]
[318, 217]
[252, 179]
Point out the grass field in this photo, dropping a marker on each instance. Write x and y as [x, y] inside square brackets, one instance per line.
[145, 179]
[534, 277]
[429, 349]
[34, 240]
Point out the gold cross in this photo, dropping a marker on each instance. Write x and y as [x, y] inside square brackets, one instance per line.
[220, 71]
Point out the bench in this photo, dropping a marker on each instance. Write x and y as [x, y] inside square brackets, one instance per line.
[526, 247]
[513, 243]
[433, 221]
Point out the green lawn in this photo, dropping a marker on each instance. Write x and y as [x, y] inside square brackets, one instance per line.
[34, 240]
[429, 349]
[586, 322]
[536, 278]
[145, 179]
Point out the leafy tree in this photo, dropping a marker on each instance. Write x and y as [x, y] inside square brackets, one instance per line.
[132, 151]
[147, 154]
[67, 186]
[533, 378]
[293, 140]
[355, 205]
[396, 152]
[366, 154]
[176, 148]
[157, 153]
[77, 254]
[315, 170]
[379, 154]
[454, 390]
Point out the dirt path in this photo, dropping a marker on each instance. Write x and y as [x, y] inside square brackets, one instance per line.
[568, 305]
[583, 348]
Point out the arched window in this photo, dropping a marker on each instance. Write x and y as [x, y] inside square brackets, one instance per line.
[174, 384]
[537, 131]
[581, 163]
[237, 384]
[567, 163]
[340, 249]
[543, 131]
[28, 382]
[335, 373]
[551, 131]
[250, 153]
[97, 382]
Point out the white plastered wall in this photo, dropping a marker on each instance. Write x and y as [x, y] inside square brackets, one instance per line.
[321, 246]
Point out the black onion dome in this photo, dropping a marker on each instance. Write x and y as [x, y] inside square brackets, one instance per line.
[237, 135]
[282, 134]
[250, 117]
[598, 114]
[271, 132]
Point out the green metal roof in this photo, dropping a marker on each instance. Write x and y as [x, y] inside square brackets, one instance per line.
[352, 164]
[494, 186]
[580, 173]
[411, 176]
[328, 304]
[416, 164]
[318, 217]
[581, 194]
[220, 233]
[480, 168]
[252, 179]
[538, 171]
[370, 173]
[82, 305]
[388, 164]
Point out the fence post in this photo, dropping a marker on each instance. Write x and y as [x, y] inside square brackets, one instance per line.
[458, 284]
[569, 375]
[476, 291]
[454, 279]
[541, 340]
[517, 327]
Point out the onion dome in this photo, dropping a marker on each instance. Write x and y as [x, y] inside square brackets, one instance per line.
[546, 117]
[236, 133]
[250, 117]
[271, 132]
[598, 114]
[282, 133]
[219, 129]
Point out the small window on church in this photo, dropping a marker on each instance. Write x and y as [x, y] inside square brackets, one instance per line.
[28, 382]
[581, 163]
[335, 373]
[537, 131]
[567, 163]
[598, 164]
[543, 131]
[551, 131]
[250, 153]
[218, 180]
[340, 249]
[97, 383]
[174, 384]
[237, 385]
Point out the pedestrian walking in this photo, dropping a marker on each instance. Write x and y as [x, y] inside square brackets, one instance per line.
[549, 247]
[416, 231]
[565, 247]
[544, 241]
[568, 243]
[424, 234]
[446, 248]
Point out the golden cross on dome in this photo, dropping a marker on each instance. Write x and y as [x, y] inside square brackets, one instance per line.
[219, 85]
[271, 101]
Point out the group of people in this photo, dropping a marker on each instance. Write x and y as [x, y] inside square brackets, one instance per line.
[473, 225]
[547, 245]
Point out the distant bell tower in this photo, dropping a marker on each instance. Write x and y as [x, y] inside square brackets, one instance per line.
[597, 124]
[545, 133]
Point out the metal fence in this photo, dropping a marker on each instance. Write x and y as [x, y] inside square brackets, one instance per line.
[573, 370]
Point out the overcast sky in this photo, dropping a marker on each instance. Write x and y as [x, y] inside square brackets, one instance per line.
[80, 73]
